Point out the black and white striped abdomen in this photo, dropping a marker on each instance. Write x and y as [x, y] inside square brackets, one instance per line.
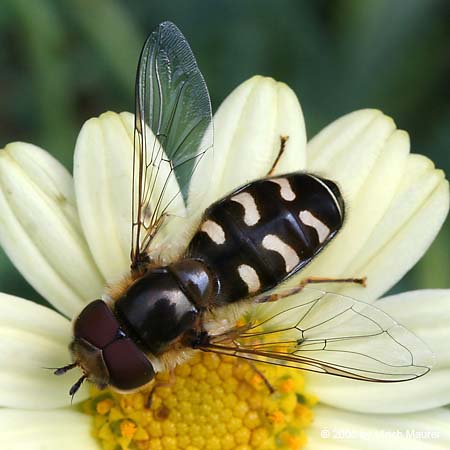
[265, 231]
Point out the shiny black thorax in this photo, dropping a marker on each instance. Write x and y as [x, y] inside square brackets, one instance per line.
[247, 243]
[165, 303]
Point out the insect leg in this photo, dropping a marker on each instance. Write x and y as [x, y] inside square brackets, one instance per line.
[283, 140]
[169, 383]
[314, 280]
[262, 376]
[310, 280]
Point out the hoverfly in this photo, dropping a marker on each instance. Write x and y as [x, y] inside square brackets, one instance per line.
[245, 246]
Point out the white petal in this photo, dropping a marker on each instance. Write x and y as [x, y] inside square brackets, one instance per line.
[39, 228]
[46, 430]
[407, 229]
[396, 202]
[247, 136]
[427, 314]
[33, 337]
[355, 139]
[103, 176]
[334, 429]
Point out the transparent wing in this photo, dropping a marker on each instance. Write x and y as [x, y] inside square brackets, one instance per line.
[328, 333]
[173, 132]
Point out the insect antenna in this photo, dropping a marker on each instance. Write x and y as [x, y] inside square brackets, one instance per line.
[76, 386]
[63, 370]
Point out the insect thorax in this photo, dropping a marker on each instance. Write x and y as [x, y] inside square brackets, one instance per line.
[158, 308]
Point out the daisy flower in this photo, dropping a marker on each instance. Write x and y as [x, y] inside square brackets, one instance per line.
[70, 237]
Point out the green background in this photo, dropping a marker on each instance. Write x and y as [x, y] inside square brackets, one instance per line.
[65, 61]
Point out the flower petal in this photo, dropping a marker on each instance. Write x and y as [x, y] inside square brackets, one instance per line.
[396, 202]
[103, 175]
[39, 228]
[333, 429]
[33, 337]
[248, 127]
[46, 430]
[407, 229]
[427, 314]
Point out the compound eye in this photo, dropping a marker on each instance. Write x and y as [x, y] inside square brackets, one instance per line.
[96, 324]
[128, 366]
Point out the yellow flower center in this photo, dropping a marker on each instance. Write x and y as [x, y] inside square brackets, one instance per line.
[214, 403]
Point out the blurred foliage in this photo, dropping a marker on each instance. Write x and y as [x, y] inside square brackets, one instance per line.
[65, 61]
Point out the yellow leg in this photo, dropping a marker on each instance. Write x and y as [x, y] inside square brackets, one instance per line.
[310, 280]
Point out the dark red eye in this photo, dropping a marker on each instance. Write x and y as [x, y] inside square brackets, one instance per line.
[96, 324]
[128, 366]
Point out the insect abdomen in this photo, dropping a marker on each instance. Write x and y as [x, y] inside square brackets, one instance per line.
[265, 231]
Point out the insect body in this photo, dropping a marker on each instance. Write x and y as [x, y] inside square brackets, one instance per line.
[246, 244]
[238, 251]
